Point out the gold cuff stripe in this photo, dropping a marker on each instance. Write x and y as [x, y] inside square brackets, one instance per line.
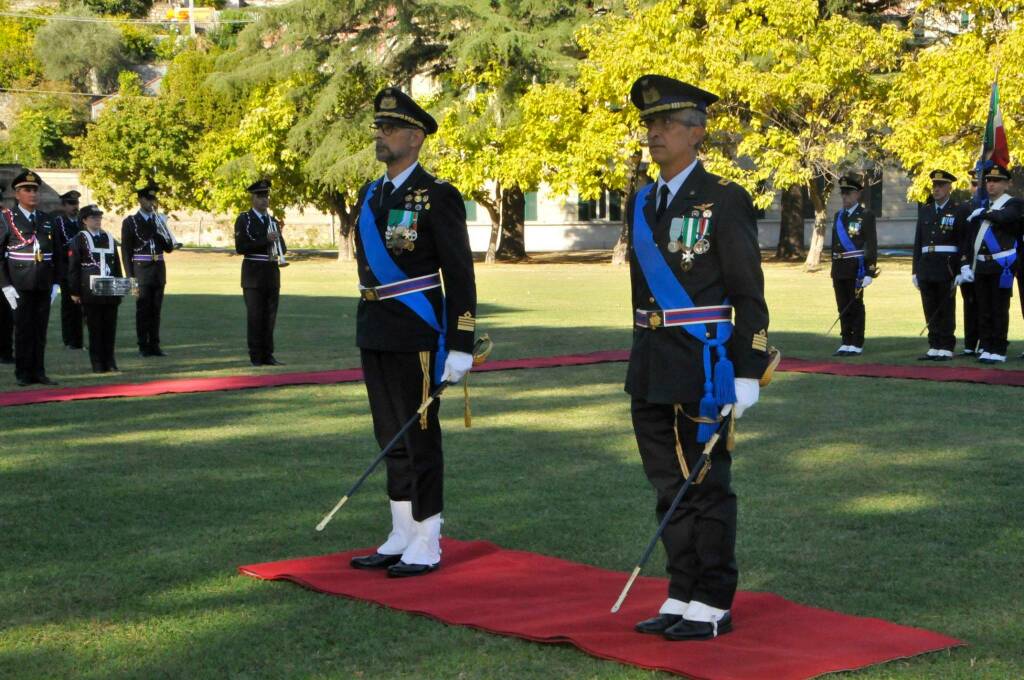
[760, 343]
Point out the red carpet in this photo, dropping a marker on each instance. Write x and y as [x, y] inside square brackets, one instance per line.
[154, 388]
[545, 599]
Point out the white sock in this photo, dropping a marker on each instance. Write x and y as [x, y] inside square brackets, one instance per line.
[401, 529]
[425, 545]
[698, 611]
[672, 606]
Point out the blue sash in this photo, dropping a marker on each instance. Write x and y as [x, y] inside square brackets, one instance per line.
[670, 294]
[844, 238]
[386, 271]
[1006, 276]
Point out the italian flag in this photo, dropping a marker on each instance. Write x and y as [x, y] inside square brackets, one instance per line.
[993, 146]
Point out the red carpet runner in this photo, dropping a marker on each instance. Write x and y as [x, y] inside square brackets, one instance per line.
[545, 599]
[154, 388]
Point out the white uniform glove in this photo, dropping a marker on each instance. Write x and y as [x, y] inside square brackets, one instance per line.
[456, 365]
[974, 215]
[866, 281]
[747, 392]
[54, 292]
[915, 282]
[966, 275]
[12, 296]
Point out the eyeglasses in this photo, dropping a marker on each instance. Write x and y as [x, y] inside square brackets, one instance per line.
[663, 121]
[387, 129]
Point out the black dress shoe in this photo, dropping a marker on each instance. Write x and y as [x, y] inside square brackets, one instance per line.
[6, 360]
[24, 382]
[112, 367]
[699, 630]
[157, 352]
[144, 353]
[73, 347]
[255, 362]
[403, 570]
[374, 561]
[44, 380]
[928, 357]
[271, 361]
[658, 625]
[943, 357]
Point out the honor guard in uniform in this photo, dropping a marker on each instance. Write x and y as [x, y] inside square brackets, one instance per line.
[854, 254]
[66, 226]
[143, 244]
[700, 341]
[966, 288]
[259, 240]
[937, 241]
[990, 262]
[28, 276]
[93, 252]
[6, 314]
[410, 237]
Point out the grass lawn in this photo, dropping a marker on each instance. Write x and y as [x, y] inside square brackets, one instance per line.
[122, 521]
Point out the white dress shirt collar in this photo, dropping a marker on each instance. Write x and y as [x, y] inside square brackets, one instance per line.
[402, 176]
[676, 182]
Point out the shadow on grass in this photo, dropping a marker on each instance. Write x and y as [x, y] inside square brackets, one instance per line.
[122, 529]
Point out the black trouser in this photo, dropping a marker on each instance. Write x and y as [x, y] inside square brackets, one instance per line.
[394, 383]
[939, 301]
[102, 322]
[852, 320]
[6, 329]
[147, 317]
[70, 318]
[993, 313]
[970, 316]
[700, 539]
[261, 315]
[30, 321]
[1020, 280]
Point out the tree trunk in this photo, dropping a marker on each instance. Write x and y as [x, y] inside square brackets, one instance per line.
[637, 178]
[513, 225]
[820, 201]
[791, 226]
[491, 206]
[346, 227]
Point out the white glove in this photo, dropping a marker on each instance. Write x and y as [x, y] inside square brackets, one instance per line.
[747, 392]
[974, 215]
[54, 292]
[914, 278]
[958, 280]
[456, 365]
[12, 296]
[866, 281]
[966, 275]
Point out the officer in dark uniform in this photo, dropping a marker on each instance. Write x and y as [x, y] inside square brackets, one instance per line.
[28, 277]
[66, 226]
[854, 254]
[143, 245]
[991, 262]
[6, 314]
[967, 289]
[693, 244]
[411, 235]
[258, 239]
[937, 240]
[93, 252]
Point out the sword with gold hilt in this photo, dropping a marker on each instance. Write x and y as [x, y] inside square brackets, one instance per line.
[481, 350]
[725, 428]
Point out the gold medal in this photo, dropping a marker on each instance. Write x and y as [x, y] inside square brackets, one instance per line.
[687, 260]
[706, 213]
[702, 246]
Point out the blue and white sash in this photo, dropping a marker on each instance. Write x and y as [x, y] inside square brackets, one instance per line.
[719, 385]
[387, 271]
[1004, 258]
[844, 238]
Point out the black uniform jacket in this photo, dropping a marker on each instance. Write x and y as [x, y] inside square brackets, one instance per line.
[27, 274]
[251, 239]
[442, 243]
[666, 365]
[938, 227]
[82, 264]
[141, 237]
[64, 230]
[1006, 227]
[861, 229]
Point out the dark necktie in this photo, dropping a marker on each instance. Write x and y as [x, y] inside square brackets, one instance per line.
[385, 191]
[662, 202]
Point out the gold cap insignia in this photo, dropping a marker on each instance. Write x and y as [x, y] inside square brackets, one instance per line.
[650, 93]
[31, 178]
[388, 102]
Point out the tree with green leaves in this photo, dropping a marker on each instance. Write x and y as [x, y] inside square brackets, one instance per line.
[43, 128]
[86, 54]
[941, 98]
[802, 97]
[18, 64]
